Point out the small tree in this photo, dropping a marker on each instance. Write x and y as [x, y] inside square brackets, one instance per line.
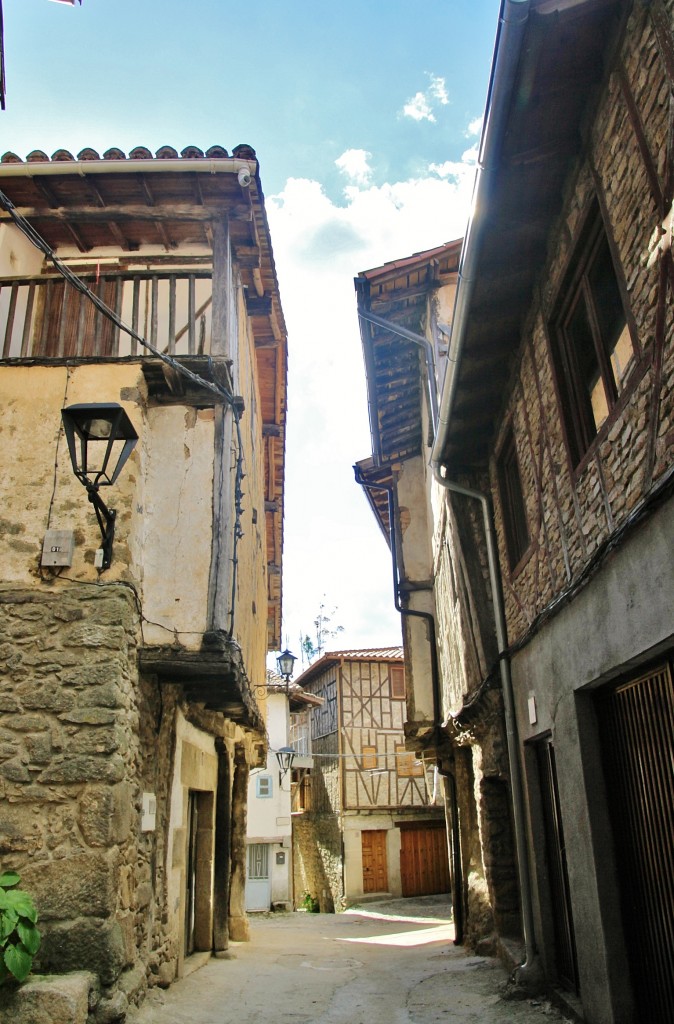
[324, 632]
[19, 936]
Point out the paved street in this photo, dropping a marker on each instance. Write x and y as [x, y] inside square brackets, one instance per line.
[386, 963]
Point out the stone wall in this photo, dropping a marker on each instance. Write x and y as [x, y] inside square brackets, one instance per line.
[573, 511]
[71, 765]
[317, 860]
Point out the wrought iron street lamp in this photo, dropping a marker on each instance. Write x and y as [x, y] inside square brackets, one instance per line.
[100, 439]
[285, 757]
[286, 662]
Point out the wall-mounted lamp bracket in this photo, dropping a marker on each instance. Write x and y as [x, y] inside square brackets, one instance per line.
[106, 521]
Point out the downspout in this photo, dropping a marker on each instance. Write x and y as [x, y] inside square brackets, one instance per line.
[530, 966]
[408, 612]
[458, 905]
[449, 780]
[509, 41]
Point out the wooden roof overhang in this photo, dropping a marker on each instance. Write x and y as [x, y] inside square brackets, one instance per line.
[398, 292]
[374, 479]
[170, 203]
[562, 63]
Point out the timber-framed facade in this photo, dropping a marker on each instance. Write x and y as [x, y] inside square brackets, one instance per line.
[134, 696]
[370, 814]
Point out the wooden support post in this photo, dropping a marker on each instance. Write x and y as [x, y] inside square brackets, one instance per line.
[238, 922]
[223, 843]
[222, 347]
[221, 343]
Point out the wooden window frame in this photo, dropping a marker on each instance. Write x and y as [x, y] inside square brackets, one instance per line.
[578, 298]
[406, 768]
[368, 756]
[513, 506]
[399, 672]
[269, 781]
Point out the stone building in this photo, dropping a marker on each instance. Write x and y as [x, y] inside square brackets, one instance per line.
[557, 412]
[405, 310]
[365, 823]
[269, 878]
[133, 694]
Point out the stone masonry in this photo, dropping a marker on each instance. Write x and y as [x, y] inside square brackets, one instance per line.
[70, 763]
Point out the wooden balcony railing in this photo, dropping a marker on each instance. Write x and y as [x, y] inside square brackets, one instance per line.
[300, 738]
[46, 318]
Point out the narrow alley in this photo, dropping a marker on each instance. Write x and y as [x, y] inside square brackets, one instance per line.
[392, 961]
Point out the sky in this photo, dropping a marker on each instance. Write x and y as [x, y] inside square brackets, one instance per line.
[365, 117]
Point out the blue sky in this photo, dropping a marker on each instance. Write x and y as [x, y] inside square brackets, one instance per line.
[365, 119]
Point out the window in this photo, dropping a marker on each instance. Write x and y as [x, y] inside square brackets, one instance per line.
[258, 860]
[397, 681]
[407, 765]
[263, 786]
[301, 791]
[513, 511]
[368, 758]
[594, 351]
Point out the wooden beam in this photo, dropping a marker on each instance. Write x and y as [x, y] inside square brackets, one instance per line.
[258, 305]
[96, 214]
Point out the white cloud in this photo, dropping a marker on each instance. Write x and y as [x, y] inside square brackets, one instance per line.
[418, 108]
[354, 163]
[458, 171]
[438, 89]
[474, 127]
[333, 546]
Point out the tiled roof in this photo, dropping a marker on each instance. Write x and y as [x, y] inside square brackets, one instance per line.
[241, 152]
[362, 654]
[369, 654]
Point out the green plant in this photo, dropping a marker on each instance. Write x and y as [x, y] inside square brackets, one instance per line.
[310, 903]
[19, 935]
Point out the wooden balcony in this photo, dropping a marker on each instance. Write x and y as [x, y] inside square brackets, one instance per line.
[213, 677]
[46, 318]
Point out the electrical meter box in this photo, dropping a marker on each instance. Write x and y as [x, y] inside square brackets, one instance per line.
[58, 547]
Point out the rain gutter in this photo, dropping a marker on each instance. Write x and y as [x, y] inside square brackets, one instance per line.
[508, 50]
[84, 168]
[511, 29]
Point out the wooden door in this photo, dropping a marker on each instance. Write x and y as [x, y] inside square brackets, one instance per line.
[424, 860]
[375, 871]
[558, 877]
[191, 873]
[637, 721]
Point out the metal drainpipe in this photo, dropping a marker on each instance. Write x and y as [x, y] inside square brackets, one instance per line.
[409, 612]
[457, 868]
[530, 968]
[458, 907]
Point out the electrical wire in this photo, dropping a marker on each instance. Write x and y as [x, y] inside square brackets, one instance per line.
[213, 386]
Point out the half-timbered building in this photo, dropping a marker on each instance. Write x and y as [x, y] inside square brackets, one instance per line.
[137, 290]
[370, 824]
[557, 416]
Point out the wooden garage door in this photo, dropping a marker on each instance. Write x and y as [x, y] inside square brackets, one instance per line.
[637, 722]
[424, 863]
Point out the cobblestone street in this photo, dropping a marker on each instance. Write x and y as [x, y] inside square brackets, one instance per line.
[393, 962]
